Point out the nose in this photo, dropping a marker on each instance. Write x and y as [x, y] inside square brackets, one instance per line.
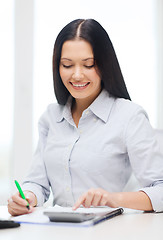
[77, 74]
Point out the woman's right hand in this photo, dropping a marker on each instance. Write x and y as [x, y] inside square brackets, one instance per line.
[18, 206]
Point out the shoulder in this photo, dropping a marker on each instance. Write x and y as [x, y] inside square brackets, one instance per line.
[120, 108]
[125, 113]
[52, 113]
[131, 119]
[54, 110]
[128, 109]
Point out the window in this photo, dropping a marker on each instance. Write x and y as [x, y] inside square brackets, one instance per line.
[6, 94]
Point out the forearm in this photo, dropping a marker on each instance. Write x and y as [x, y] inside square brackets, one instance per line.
[135, 200]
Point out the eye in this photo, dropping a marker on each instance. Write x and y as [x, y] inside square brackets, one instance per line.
[66, 66]
[89, 66]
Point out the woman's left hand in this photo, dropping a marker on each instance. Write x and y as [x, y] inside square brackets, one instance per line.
[96, 197]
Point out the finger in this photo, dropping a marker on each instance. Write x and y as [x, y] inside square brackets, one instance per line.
[15, 206]
[79, 202]
[15, 209]
[96, 200]
[104, 200]
[89, 198]
[31, 198]
[19, 200]
[16, 212]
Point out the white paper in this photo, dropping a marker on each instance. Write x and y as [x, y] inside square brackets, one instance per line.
[35, 217]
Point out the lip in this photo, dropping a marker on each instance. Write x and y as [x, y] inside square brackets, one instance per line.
[80, 86]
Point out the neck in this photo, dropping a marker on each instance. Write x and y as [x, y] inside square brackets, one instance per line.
[78, 107]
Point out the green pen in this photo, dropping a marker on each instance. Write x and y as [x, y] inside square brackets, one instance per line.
[21, 193]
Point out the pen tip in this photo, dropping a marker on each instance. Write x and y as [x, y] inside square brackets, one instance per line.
[28, 207]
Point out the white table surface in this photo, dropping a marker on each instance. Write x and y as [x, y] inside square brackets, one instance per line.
[131, 225]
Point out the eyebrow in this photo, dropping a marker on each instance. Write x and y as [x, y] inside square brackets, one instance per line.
[86, 59]
[66, 59]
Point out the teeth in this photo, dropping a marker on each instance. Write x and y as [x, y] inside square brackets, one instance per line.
[79, 85]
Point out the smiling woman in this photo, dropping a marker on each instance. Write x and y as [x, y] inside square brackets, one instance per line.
[94, 130]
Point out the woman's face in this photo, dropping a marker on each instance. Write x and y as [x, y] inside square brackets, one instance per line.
[78, 71]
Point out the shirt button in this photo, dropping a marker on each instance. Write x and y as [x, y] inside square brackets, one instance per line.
[87, 112]
[94, 119]
[66, 168]
[80, 131]
[67, 189]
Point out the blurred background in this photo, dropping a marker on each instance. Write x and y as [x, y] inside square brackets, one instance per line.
[28, 29]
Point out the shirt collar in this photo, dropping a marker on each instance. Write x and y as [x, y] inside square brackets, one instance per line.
[65, 111]
[101, 107]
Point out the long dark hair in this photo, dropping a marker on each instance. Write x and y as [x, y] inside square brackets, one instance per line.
[104, 55]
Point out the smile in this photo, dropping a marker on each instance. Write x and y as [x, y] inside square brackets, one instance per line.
[79, 85]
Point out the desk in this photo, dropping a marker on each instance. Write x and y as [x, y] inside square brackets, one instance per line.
[131, 225]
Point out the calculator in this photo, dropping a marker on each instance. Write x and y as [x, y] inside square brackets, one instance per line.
[74, 217]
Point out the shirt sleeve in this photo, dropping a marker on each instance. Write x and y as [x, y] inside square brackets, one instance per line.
[37, 179]
[145, 157]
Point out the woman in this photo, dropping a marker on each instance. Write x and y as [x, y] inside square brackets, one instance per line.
[95, 135]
